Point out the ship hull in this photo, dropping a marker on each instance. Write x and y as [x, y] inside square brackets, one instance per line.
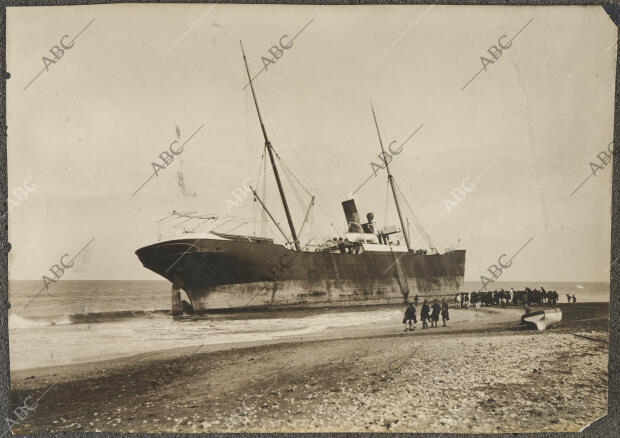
[221, 274]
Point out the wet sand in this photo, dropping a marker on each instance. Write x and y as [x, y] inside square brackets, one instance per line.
[483, 373]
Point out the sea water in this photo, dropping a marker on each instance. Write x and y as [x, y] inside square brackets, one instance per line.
[83, 321]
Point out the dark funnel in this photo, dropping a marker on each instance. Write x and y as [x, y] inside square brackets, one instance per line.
[353, 217]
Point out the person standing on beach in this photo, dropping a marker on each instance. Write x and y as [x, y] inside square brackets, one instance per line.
[410, 319]
[435, 314]
[424, 314]
[568, 298]
[574, 299]
[445, 316]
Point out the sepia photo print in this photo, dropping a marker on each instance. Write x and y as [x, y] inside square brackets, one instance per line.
[309, 218]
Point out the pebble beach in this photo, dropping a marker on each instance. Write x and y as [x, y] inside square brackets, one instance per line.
[477, 375]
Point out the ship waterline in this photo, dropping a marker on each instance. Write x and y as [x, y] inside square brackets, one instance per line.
[246, 272]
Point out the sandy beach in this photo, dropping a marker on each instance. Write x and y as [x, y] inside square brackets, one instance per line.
[483, 373]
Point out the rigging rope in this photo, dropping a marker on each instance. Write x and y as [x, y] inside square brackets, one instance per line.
[387, 205]
[287, 169]
[271, 114]
[296, 193]
[417, 223]
[418, 226]
[264, 217]
[312, 226]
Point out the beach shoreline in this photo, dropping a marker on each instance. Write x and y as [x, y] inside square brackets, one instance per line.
[463, 378]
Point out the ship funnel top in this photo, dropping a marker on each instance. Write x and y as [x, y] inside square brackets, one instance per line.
[352, 216]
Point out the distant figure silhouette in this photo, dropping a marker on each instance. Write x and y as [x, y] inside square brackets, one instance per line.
[435, 314]
[445, 316]
[425, 314]
[410, 320]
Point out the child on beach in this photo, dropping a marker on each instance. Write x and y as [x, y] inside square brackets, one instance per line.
[435, 314]
[444, 312]
[410, 319]
[424, 314]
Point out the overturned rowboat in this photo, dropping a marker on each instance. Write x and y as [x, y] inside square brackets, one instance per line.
[542, 319]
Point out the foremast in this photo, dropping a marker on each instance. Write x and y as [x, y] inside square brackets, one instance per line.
[269, 148]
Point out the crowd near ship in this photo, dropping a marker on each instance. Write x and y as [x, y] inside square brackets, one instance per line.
[367, 265]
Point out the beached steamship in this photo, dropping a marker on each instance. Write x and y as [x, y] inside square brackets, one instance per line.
[366, 267]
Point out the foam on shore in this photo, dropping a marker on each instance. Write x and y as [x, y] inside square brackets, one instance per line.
[35, 345]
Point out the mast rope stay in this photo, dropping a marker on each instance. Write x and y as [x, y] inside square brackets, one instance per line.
[264, 217]
[292, 175]
[387, 204]
[417, 222]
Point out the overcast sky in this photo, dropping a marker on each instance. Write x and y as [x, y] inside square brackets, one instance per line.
[525, 128]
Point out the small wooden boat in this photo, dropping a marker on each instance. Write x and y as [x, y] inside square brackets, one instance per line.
[542, 319]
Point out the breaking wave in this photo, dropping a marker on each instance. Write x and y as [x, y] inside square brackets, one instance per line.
[19, 322]
[101, 317]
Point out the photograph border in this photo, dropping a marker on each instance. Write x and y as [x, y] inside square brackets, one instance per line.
[605, 427]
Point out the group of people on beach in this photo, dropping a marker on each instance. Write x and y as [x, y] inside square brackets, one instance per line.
[503, 297]
[428, 314]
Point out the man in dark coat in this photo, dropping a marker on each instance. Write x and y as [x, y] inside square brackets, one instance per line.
[445, 316]
[435, 314]
[410, 319]
[425, 314]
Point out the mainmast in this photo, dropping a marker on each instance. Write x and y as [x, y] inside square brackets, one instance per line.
[391, 180]
[269, 148]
